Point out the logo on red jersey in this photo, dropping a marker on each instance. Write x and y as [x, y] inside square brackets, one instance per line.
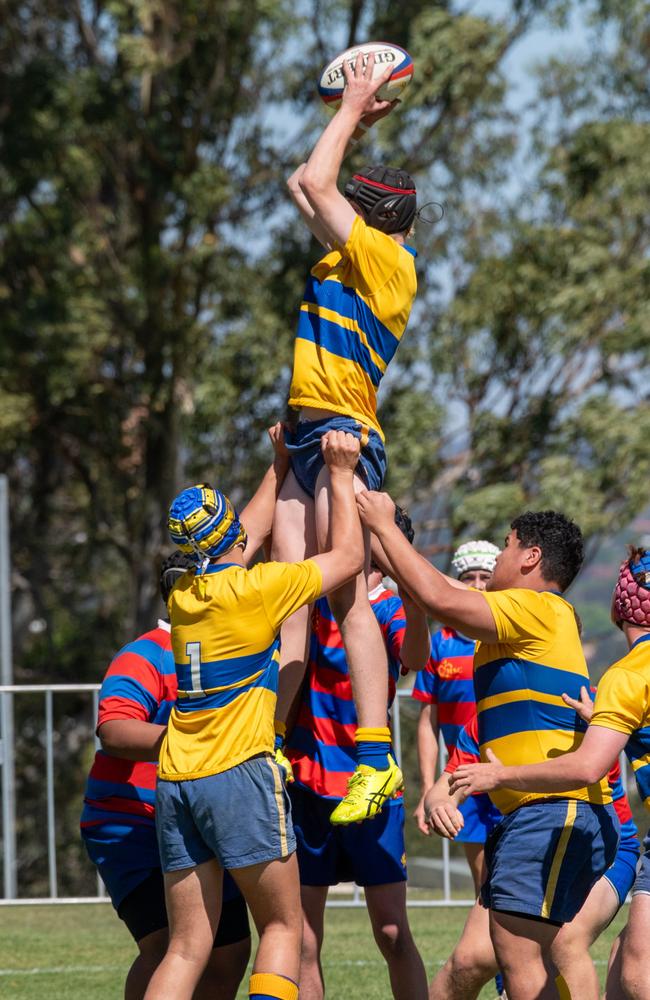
[448, 669]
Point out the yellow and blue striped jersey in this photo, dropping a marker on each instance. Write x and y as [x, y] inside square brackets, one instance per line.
[623, 704]
[225, 641]
[519, 681]
[352, 318]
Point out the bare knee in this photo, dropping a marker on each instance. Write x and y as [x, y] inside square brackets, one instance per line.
[635, 977]
[392, 937]
[472, 966]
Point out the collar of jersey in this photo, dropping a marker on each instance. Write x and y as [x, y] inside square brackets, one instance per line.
[642, 638]
[411, 250]
[216, 567]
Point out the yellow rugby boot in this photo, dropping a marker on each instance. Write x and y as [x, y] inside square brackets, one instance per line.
[368, 789]
[285, 764]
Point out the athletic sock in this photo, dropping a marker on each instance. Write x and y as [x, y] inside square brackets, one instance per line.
[498, 982]
[373, 746]
[280, 733]
[268, 986]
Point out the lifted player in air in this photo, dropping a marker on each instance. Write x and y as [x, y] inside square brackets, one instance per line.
[539, 871]
[353, 315]
[321, 751]
[620, 721]
[446, 691]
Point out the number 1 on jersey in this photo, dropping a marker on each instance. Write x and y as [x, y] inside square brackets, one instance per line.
[193, 651]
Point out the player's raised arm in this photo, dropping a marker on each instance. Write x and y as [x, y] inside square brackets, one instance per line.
[463, 609]
[345, 558]
[257, 515]
[318, 181]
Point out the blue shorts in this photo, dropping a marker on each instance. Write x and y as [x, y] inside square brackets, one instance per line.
[480, 817]
[124, 855]
[307, 459]
[543, 859]
[368, 853]
[128, 861]
[642, 882]
[240, 817]
[623, 872]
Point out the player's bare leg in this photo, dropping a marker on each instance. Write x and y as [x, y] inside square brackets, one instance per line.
[272, 892]
[224, 972]
[312, 983]
[613, 988]
[523, 948]
[472, 963]
[475, 855]
[151, 951]
[570, 949]
[387, 910]
[377, 777]
[294, 538]
[362, 638]
[635, 968]
[193, 898]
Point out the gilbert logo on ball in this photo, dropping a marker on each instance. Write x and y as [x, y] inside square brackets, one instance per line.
[332, 79]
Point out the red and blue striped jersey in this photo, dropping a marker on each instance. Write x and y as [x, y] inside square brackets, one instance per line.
[448, 683]
[140, 683]
[321, 745]
[467, 752]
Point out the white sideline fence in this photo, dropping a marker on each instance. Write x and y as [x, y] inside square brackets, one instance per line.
[11, 894]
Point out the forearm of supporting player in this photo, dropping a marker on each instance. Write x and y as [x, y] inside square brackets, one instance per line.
[461, 608]
[416, 646]
[427, 747]
[132, 739]
[257, 515]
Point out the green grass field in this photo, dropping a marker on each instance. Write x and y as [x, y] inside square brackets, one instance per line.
[68, 952]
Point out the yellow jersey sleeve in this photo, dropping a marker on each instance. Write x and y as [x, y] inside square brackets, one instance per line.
[285, 587]
[622, 701]
[520, 615]
[373, 255]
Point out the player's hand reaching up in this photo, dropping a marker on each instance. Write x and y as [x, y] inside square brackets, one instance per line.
[340, 450]
[276, 436]
[376, 510]
[360, 90]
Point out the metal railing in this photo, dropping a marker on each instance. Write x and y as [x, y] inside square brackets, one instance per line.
[9, 805]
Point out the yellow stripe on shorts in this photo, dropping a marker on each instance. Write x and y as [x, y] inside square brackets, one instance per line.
[279, 799]
[554, 874]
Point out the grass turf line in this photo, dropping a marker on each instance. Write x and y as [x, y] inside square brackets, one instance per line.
[67, 952]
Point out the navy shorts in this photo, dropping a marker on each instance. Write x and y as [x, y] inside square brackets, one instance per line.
[128, 861]
[240, 817]
[642, 882]
[368, 853]
[622, 874]
[307, 459]
[480, 817]
[543, 859]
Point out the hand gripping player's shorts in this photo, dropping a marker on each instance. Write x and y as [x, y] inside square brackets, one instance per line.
[543, 859]
[304, 447]
[128, 861]
[241, 817]
[368, 853]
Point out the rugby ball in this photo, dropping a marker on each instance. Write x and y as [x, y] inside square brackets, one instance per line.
[332, 79]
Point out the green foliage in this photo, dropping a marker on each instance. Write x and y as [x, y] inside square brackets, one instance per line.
[151, 271]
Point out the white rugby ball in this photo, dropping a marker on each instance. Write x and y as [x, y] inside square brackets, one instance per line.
[332, 79]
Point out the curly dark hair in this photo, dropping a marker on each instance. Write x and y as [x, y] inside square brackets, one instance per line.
[172, 569]
[404, 523]
[560, 540]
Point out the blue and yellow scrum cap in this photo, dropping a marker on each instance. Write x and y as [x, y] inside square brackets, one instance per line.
[203, 522]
